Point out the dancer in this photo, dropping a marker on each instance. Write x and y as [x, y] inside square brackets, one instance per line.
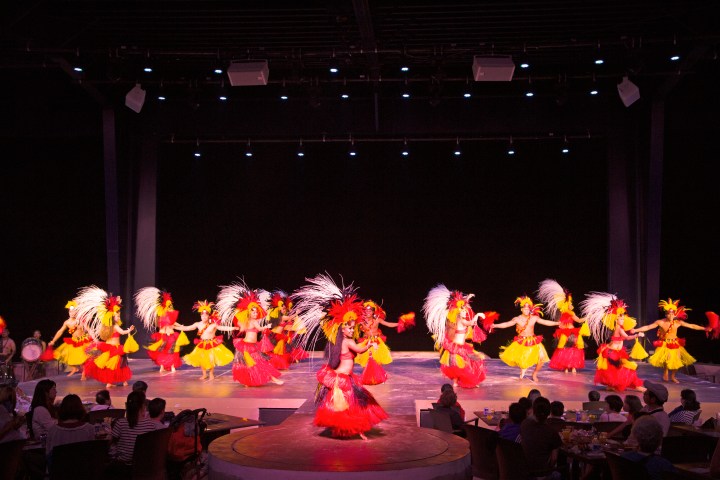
[372, 360]
[280, 324]
[101, 312]
[670, 353]
[526, 348]
[570, 351]
[155, 309]
[244, 308]
[209, 351]
[343, 405]
[451, 320]
[606, 313]
[72, 351]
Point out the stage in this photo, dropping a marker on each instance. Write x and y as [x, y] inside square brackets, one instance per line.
[414, 383]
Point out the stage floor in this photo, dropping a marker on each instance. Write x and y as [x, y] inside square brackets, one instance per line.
[414, 382]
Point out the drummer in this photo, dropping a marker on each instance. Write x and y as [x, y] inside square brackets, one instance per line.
[37, 335]
[7, 347]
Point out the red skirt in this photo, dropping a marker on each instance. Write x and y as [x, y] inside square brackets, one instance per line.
[165, 355]
[115, 366]
[344, 406]
[461, 363]
[567, 358]
[612, 371]
[251, 367]
[374, 373]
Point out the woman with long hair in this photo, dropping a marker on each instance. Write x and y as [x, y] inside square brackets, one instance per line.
[43, 413]
[71, 426]
[125, 430]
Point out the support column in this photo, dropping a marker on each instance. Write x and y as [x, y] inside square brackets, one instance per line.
[112, 216]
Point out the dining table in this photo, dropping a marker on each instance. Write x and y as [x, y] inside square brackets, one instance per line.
[694, 470]
[219, 424]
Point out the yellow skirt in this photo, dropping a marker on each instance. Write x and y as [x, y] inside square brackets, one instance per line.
[70, 355]
[207, 358]
[670, 358]
[381, 355]
[523, 354]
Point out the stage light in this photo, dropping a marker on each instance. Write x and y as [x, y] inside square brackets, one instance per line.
[283, 97]
[467, 95]
[675, 58]
[301, 150]
[599, 61]
[511, 148]
[197, 153]
[248, 150]
[405, 150]
[284, 92]
[674, 52]
[457, 151]
[593, 92]
[404, 69]
[344, 96]
[223, 93]
[135, 98]
[406, 95]
[218, 71]
[529, 94]
[147, 69]
[566, 146]
[352, 151]
[162, 98]
[78, 69]
[524, 65]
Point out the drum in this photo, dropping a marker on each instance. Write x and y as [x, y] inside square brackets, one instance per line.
[31, 350]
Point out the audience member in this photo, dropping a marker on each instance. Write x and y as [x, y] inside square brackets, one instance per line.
[527, 405]
[42, 414]
[10, 423]
[446, 404]
[71, 426]
[689, 408]
[125, 430]
[102, 401]
[511, 429]
[648, 434]
[140, 386]
[593, 396]
[540, 442]
[533, 394]
[633, 406]
[156, 412]
[447, 386]
[655, 397]
[557, 410]
[615, 405]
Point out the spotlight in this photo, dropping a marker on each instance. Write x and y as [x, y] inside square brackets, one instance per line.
[566, 146]
[197, 153]
[135, 98]
[283, 96]
[284, 92]
[223, 93]
[406, 90]
[674, 52]
[300, 150]
[78, 69]
[218, 71]
[162, 98]
[529, 94]
[457, 151]
[248, 150]
[406, 95]
[511, 148]
[467, 92]
[674, 57]
[593, 92]
[161, 93]
[404, 68]
[405, 150]
[599, 61]
[344, 96]
[352, 151]
[524, 65]
[147, 70]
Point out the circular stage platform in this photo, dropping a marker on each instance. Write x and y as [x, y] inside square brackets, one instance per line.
[297, 449]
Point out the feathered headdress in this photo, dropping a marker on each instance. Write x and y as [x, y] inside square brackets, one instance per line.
[203, 306]
[2, 324]
[442, 305]
[535, 308]
[323, 306]
[601, 310]
[713, 324]
[377, 309]
[151, 304]
[674, 305]
[235, 301]
[96, 308]
[70, 305]
[555, 297]
[278, 300]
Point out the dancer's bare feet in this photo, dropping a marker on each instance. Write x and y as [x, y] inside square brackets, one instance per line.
[454, 383]
[162, 369]
[674, 380]
[535, 377]
[203, 377]
[574, 371]
[640, 389]
[172, 370]
[109, 385]
[83, 377]
[125, 384]
[522, 373]
[211, 376]
[362, 435]
[73, 371]
[276, 381]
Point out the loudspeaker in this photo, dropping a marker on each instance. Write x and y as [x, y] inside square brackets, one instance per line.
[135, 98]
[248, 73]
[493, 69]
[628, 91]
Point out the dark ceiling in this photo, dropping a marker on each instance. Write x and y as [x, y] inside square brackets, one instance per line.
[183, 41]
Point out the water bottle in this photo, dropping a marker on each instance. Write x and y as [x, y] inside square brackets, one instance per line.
[578, 416]
[486, 411]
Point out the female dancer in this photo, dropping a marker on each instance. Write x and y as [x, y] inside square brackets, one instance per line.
[280, 323]
[451, 320]
[155, 309]
[526, 348]
[244, 308]
[101, 312]
[670, 353]
[72, 351]
[606, 313]
[372, 360]
[209, 351]
[344, 406]
[570, 351]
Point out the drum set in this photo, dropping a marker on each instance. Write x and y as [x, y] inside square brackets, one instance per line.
[30, 352]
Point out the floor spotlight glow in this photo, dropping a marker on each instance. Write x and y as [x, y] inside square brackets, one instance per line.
[333, 70]
[217, 71]
[529, 94]
[161, 98]
[222, 98]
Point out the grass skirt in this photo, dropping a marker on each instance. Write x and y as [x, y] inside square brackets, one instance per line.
[381, 354]
[671, 354]
[615, 370]
[165, 351]
[209, 354]
[72, 351]
[463, 364]
[524, 352]
[251, 367]
[567, 358]
[110, 366]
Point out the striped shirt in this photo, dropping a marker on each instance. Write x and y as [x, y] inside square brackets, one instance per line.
[683, 416]
[126, 436]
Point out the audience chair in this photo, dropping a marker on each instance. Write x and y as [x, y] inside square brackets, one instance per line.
[624, 469]
[511, 461]
[606, 427]
[150, 454]
[482, 451]
[79, 461]
[686, 449]
[99, 416]
[10, 455]
[441, 421]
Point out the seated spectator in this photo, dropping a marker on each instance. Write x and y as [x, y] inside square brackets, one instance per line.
[10, 423]
[43, 413]
[511, 429]
[689, 408]
[527, 405]
[156, 412]
[593, 396]
[557, 410]
[648, 434]
[71, 426]
[102, 401]
[655, 397]
[539, 441]
[633, 406]
[125, 430]
[533, 394]
[140, 386]
[446, 404]
[615, 405]
[447, 386]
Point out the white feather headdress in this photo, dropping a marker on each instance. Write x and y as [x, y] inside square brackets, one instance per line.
[92, 310]
[147, 300]
[552, 295]
[594, 308]
[436, 311]
[231, 295]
